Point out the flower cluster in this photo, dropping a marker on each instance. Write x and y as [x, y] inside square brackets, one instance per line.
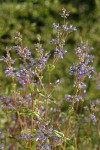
[92, 116]
[62, 31]
[35, 117]
[83, 68]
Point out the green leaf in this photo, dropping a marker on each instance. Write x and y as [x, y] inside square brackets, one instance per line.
[70, 144]
[31, 86]
[58, 134]
[37, 115]
[50, 67]
[70, 112]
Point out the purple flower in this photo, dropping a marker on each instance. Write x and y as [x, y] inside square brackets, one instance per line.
[82, 85]
[98, 86]
[72, 69]
[27, 53]
[91, 103]
[54, 41]
[83, 68]
[72, 28]
[43, 60]
[43, 108]
[68, 97]
[7, 99]
[60, 52]
[78, 98]
[17, 74]
[23, 74]
[64, 27]
[1, 134]
[26, 136]
[55, 26]
[10, 71]
[32, 62]
[89, 71]
[85, 119]
[31, 72]
[92, 116]
[18, 49]
[2, 58]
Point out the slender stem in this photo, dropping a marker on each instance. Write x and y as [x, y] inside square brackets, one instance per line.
[78, 139]
[67, 126]
[32, 124]
[77, 105]
[5, 141]
[46, 114]
[8, 129]
[49, 83]
[67, 129]
[20, 121]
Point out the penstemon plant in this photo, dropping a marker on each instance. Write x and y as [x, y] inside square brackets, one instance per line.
[31, 122]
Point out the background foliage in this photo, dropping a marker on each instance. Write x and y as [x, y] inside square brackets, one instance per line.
[32, 17]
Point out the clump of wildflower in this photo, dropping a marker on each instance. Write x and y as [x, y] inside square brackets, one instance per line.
[70, 98]
[28, 105]
[26, 136]
[44, 133]
[83, 68]
[10, 70]
[43, 60]
[61, 36]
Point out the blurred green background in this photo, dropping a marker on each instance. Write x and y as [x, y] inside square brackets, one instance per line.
[32, 17]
